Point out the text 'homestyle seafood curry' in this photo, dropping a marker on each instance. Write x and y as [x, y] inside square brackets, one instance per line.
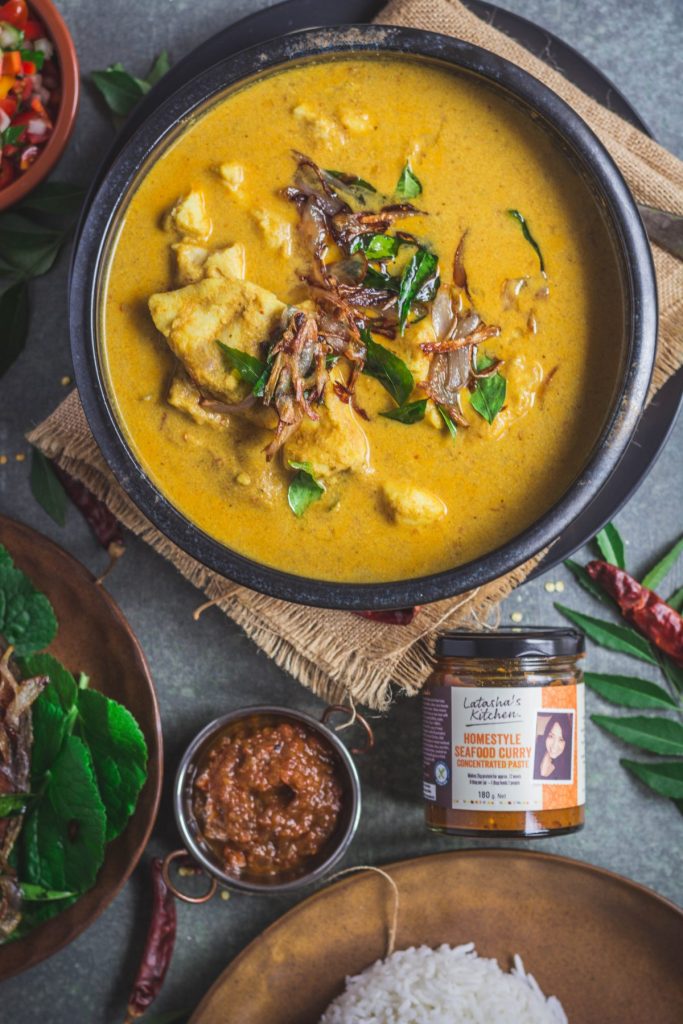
[362, 320]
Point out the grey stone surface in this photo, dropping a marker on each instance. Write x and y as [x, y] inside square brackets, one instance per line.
[203, 668]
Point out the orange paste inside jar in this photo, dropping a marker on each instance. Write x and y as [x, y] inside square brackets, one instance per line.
[267, 798]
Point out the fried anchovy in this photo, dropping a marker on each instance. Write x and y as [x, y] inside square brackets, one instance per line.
[16, 737]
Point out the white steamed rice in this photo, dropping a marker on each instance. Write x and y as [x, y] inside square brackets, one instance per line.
[443, 986]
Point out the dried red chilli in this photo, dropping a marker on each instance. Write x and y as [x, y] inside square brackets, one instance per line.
[101, 521]
[158, 949]
[644, 609]
[396, 617]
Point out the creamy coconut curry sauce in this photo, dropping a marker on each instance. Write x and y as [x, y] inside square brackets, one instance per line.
[362, 320]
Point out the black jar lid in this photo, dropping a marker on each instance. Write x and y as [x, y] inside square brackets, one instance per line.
[521, 642]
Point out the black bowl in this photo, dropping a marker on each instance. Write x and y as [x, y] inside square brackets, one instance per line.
[612, 198]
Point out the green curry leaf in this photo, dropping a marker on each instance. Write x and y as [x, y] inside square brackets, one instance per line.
[411, 412]
[607, 634]
[448, 420]
[159, 67]
[665, 777]
[304, 488]
[663, 567]
[419, 281]
[521, 220]
[611, 545]
[250, 369]
[386, 367]
[658, 735]
[408, 186]
[489, 397]
[628, 691]
[121, 90]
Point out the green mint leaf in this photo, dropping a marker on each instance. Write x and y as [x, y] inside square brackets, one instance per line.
[582, 577]
[14, 315]
[658, 735]
[675, 601]
[521, 220]
[449, 421]
[420, 269]
[304, 488]
[657, 573]
[408, 186]
[64, 833]
[39, 894]
[628, 691]
[489, 397]
[27, 619]
[616, 638]
[46, 488]
[161, 65]
[52, 713]
[611, 546]
[57, 197]
[249, 367]
[13, 803]
[386, 367]
[27, 248]
[119, 755]
[665, 777]
[121, 91]
[412, 412]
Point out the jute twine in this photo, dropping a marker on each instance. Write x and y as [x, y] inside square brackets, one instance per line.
[336, 653]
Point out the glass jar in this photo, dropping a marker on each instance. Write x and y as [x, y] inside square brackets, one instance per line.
[503, 734]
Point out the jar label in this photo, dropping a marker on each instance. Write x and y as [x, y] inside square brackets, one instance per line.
[504, 748]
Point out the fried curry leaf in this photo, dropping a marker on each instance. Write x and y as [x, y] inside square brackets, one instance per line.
[304, 488]
[408, 186]
[379, 280]
[250, 369]
[448, 420]
[665, 777]
[46, 488]
[119, 755]
[628, 691]
[27, 619]
[64, 833]
[411, 412]
[386, 367]
[351, 184]
[489, 397]
[521, 220]
[611, 545]
[419, 280]
[53, 712]
[14, 315]
[657, 573]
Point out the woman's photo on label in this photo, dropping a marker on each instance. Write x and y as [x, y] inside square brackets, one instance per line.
[554, 746]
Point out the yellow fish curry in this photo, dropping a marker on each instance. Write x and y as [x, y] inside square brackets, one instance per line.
[361, 320]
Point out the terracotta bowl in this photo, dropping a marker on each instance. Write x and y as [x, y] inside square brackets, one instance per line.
[67, 60]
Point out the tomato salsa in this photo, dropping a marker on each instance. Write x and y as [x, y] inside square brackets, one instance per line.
[30, 91]
[267, 797]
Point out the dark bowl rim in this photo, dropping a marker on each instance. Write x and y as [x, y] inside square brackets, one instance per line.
[634, 257]
[343, 841]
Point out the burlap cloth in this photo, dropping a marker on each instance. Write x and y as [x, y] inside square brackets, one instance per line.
[338, 653]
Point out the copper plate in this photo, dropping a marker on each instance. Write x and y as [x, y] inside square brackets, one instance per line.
[609, 949]
[94, 638]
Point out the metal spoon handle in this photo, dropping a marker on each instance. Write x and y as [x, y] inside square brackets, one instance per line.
[666, 229]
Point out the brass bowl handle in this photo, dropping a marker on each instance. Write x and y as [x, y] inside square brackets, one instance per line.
[178, 893]
[353, 716]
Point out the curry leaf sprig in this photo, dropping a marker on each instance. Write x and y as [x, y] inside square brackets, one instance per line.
[662, 733]
[88, 764]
